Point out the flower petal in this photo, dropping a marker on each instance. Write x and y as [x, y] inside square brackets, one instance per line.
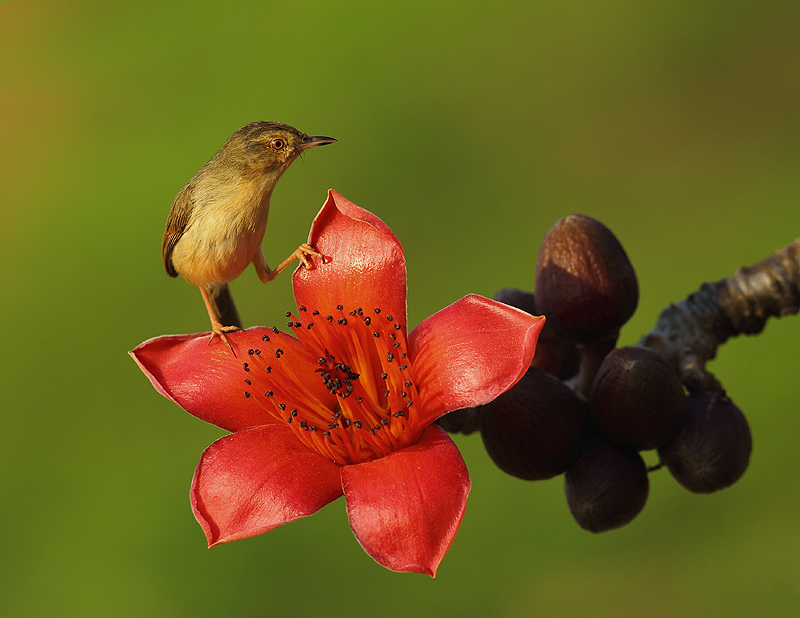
[405, 508]
[208, 381]
[364, 266]
[252, 481]
[470, 352]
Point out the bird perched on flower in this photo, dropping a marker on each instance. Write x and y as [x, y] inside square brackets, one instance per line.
[345, 405]
[217, 221]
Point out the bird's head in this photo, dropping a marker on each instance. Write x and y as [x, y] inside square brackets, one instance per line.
[268, 147]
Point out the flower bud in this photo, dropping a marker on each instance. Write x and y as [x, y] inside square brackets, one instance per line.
[585, 283]
[460, 421]
[607, 487]
[518, 298]
[533, 431]
[554, 354]
[713, 449]
[636, 398]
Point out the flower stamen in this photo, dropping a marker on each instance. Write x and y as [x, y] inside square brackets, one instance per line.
[362, 362]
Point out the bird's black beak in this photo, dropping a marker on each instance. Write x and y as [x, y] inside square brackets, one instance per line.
[316, 140]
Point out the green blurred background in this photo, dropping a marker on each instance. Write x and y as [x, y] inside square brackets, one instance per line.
[470, 129]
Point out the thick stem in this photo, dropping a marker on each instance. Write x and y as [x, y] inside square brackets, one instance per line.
[689, 332]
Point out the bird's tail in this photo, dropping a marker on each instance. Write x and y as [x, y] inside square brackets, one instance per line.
[224, 307]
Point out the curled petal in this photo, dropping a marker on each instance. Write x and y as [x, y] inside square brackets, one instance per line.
[252, 481]
[405, 508]
[470, 352]
[206, 380]
[364, 266]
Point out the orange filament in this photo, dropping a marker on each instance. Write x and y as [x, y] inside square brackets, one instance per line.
[362, 359]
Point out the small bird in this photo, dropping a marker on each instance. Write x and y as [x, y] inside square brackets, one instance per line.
[217, 221]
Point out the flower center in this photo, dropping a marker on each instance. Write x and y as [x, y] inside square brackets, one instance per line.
[362, 361]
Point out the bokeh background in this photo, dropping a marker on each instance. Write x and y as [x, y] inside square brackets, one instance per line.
[470, 128]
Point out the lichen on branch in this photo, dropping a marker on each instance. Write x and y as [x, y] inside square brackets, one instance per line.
[689, 332]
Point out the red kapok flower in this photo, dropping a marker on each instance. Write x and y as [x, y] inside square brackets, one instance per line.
[345, 406]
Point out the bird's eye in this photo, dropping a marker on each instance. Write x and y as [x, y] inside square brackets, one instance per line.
[277, 143]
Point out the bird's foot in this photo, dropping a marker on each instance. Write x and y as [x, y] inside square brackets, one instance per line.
[302, 253]
[218, 330]
[305, 251]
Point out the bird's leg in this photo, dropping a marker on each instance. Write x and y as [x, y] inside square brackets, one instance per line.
[217, 329]
[302, 253]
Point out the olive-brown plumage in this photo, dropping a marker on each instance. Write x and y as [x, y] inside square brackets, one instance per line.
[217, 221]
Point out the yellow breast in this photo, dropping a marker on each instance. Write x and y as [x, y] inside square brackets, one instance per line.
[223, 234]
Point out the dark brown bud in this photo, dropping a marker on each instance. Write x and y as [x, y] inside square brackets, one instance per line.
[534, 430]
[607, 487]
[585, 283]
[517, 298]
[554, 354]
[460, 421]
[713, 449]
[636, 398]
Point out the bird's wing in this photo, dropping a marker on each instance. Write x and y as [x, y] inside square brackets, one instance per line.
[176, 225]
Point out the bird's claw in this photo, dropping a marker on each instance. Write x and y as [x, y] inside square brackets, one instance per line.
[304, 251]
[218, 330]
